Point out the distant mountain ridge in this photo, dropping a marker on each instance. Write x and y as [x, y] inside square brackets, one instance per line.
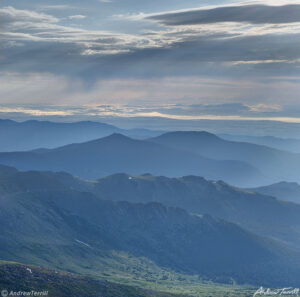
[287, 144]
[118, 153]
[283, 190]
[47, 221]
[30, 135]
[180, 153]
[276, 164]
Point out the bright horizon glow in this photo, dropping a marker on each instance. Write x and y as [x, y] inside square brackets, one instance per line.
[92, 111]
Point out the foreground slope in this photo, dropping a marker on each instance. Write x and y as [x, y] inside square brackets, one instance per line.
[277, 165]
[118, 153]
[26, 278]
[46, 222]
[20, 277]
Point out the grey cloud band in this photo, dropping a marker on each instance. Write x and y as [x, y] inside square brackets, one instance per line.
[255, 14]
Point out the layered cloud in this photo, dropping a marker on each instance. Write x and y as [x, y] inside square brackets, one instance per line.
[242, 53]
[47, 41]
[253, 14]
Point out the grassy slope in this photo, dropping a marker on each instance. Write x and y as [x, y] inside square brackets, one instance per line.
[17, 277]
[116, 267]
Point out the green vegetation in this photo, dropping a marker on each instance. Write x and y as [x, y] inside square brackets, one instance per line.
[17, 277]
[51, 221]
[20, 277]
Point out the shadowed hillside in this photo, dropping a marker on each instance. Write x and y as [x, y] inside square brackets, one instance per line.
[275, 164]
[118, 153]
[259, 213]
[46, 221]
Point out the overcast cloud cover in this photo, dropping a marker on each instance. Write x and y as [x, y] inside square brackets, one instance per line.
[178, 59]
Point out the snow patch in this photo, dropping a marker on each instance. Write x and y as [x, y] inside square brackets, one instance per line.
[82, 243]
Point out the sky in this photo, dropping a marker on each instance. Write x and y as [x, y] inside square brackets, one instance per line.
[188, 60]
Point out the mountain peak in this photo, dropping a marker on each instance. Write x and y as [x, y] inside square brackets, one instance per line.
[285, 183]
[117, 137]
[194, 178]
[188, 134]
[114, 139]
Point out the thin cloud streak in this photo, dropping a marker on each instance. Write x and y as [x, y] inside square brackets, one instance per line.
[253, 14]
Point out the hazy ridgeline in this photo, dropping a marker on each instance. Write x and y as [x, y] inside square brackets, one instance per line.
[154, 208]
[172, 154]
